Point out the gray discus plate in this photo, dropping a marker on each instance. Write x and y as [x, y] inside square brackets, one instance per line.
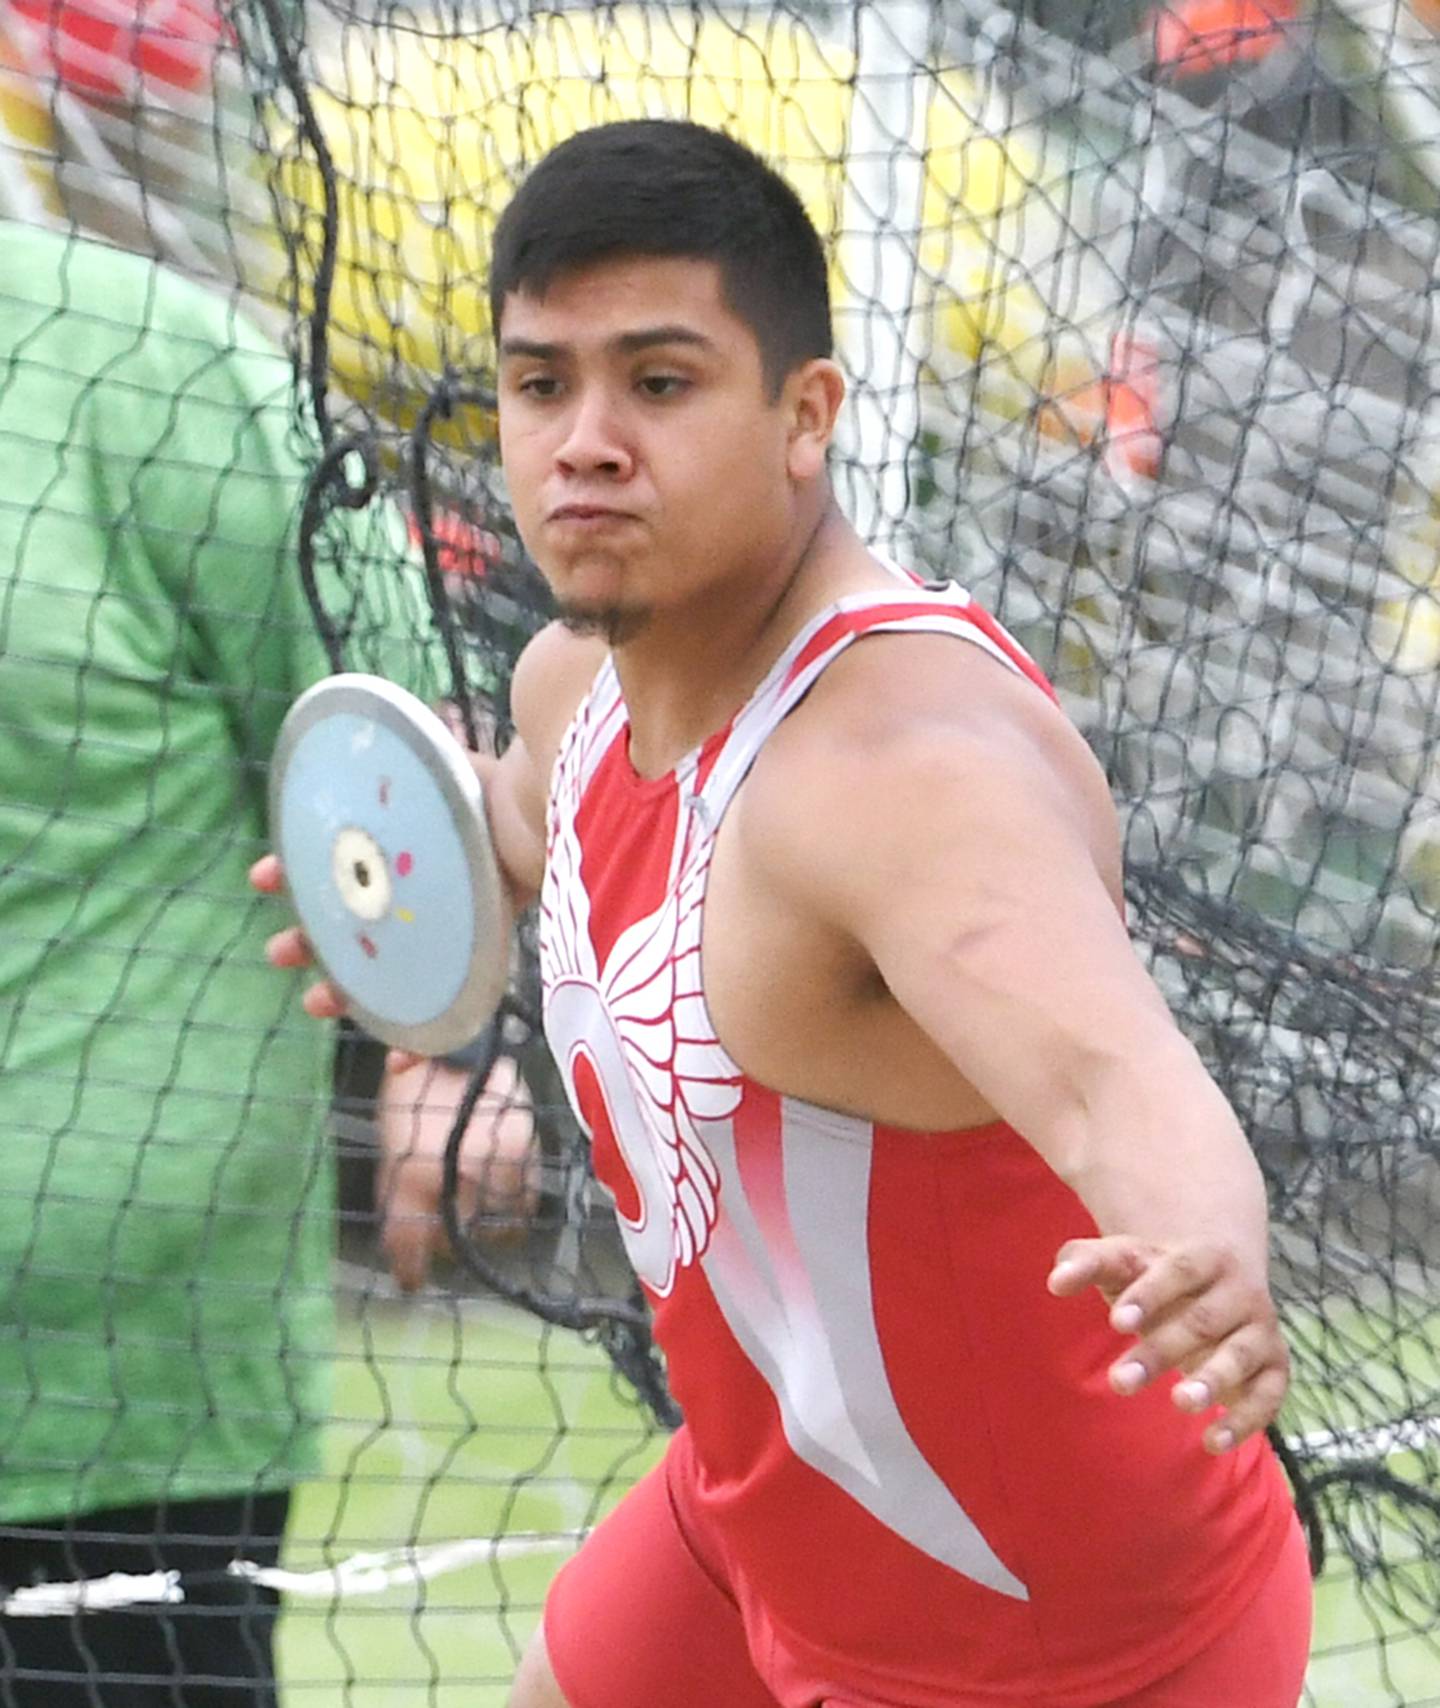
[380, 823]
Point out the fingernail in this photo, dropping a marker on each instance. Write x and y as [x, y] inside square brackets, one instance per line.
[1126, 1319]
[1195, 1394]
[1222, 1440]
[1128, 1377]
[1060, 1274]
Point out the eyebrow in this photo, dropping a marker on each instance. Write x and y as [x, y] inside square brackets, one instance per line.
[626, 343]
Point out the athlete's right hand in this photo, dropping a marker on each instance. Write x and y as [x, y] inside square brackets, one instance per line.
[291, 948]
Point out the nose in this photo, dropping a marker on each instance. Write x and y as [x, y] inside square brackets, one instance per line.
[595, 442]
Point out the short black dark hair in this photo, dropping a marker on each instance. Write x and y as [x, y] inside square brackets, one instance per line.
[667, 187]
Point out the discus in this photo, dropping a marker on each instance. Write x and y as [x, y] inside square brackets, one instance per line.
[379, 822]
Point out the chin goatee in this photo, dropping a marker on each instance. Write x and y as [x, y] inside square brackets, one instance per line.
[613, 624]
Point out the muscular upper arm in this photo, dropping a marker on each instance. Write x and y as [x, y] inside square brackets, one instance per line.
[551, 678]
[969, 852]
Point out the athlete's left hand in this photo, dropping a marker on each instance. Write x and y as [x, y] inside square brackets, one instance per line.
[1197, 1309]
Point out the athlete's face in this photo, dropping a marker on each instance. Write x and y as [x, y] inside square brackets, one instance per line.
[646, 459]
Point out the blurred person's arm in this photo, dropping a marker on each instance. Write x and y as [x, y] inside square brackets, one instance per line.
[499, 1161]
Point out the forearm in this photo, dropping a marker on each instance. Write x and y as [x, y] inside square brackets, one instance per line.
[1182, 1259]
[1077, 1050]
[1152, 1148]
[1090, 1067]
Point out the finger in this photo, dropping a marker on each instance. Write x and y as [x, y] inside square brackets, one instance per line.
[1111, 1263]
[289, 948]
[1227, 1374]
[1181, 1337]
[402, 1061]
[1256, 1409]
[409, 1243]
[267, 875]
[324, 1001]
[411, 1231]
[1167, 1282]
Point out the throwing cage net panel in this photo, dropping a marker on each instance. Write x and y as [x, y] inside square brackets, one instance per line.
[1139, 311]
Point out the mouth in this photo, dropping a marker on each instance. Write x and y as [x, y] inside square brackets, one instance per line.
[589, 515]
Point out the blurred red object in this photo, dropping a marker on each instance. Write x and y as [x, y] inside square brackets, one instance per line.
[1194, 36]
[461, 547]
[1118, 411]
[114, 49]
[1132, 397]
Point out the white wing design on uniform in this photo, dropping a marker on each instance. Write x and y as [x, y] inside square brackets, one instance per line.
[642, 1025]
[650, 988]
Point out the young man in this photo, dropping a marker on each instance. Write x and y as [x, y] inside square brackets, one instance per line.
[831, 904]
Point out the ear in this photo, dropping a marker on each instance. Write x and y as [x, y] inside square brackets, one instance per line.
[812, 398]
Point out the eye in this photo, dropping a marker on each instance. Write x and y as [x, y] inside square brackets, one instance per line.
[664, 385]
[540, 386]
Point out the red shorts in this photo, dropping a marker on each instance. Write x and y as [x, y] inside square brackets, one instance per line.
[642, 1618]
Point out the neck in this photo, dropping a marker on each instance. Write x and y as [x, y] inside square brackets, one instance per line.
[686, 674]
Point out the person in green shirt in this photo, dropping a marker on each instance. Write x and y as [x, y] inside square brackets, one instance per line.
[166, 1216]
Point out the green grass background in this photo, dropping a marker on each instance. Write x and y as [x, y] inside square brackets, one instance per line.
[450, 1421]
[463, 1420]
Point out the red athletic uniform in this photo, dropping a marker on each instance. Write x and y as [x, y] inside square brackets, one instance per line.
[902, 1461]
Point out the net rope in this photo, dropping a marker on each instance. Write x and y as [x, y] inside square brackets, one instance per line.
[1138, 310]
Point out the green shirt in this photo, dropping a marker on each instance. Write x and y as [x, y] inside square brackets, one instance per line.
[165, 1203]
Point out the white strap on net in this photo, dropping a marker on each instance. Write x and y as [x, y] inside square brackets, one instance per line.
[361, 1574]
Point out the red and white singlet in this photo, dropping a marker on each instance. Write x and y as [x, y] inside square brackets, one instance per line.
[908, 1451]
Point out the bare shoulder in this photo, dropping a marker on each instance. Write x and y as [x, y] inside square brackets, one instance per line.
[552, 676]
[924, 740]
